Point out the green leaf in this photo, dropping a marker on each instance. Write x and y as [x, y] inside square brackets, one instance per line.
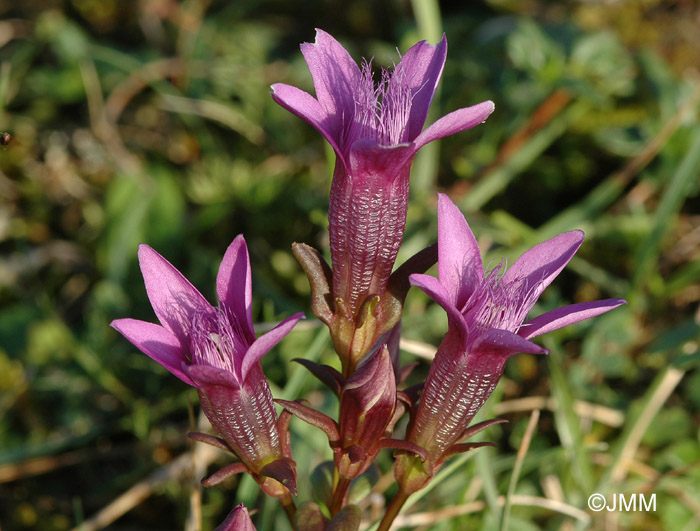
[348, 519]
[310, 518]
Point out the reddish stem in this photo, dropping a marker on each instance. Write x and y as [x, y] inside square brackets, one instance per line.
[393, 510]
[340, 494]
[289, 508]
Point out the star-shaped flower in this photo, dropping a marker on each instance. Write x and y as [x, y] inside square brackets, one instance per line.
[486, 313]
[214, 349]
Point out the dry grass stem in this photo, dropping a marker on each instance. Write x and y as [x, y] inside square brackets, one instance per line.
[174, 470]
[671, 379]
[100, 124]
[432, 517]
[602, 414]
[41, 465]
[519, 460]
[418, 348]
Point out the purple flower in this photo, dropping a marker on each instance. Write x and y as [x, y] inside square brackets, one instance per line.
[375, 130]
[237, 520]
[486, 311]
[214, 349]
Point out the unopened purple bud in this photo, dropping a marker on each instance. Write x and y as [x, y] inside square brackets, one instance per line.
[237, 520]
[367, 406]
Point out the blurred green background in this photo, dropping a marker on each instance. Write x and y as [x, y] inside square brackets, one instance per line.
[151, 121]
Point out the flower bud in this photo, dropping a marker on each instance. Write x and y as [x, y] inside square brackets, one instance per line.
[367, 406]
[237, 520]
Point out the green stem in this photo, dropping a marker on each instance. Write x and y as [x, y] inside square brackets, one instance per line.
[393, 510]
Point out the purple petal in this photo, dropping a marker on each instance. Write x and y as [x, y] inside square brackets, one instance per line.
[308, 109]
[265, 343]
[156, 342]
[436, 291]
[420, 70]
[459, 260]
[539, 266]
[506, 343]
[205, 376]
[455, 122]
[234, 286]
[237, 520]
[174, 300]
[370, 160]
[336, 78]
[566, 315]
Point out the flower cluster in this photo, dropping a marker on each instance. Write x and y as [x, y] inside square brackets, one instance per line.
[376, 129]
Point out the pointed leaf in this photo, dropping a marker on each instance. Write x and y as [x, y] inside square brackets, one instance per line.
[401, 408]
[322, 483]
[284, 471]
[320, 278]
[211, 440]
[406, 371]
[313, 417]
[328, 375]
[285, 436]
[399, 284]
[461, 448]
[419, 263]
[391, 339]
[480, 426]
[225, 473]
[410, 394]
[406, 446]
